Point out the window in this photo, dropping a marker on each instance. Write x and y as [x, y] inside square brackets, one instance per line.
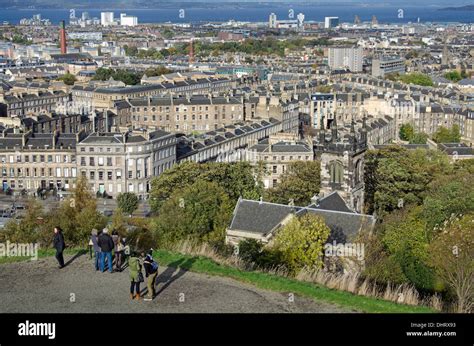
[91, 161]
[92, 175]
[109, 175]
[336, 172]
[101, 175]
[275, 169]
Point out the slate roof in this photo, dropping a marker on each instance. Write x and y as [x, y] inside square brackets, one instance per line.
[333, 202]
[264, 217]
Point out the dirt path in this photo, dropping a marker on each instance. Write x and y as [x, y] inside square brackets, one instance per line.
[40, 287]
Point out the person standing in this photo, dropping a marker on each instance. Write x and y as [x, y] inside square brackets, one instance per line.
[118, 251]
[136, 275]
[151, 271]
[59, 245]
[96, 247]
[106, 245]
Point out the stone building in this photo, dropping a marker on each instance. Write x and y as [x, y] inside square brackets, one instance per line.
[33, 162]
[342, 164]
[125, 162]
[277, 152]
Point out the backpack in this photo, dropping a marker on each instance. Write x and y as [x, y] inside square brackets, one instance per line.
[154, 266]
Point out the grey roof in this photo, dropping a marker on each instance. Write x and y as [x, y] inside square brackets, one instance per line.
[333, 202]
[263, 217]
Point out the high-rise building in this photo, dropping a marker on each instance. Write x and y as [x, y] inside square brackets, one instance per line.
[272, 22]
[331, 22]
[128, 20]
[356, 19]
[346, 58]
[106, 18]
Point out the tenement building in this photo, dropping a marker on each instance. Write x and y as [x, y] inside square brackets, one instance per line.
[189, 114]
[34, 162]
[125, 162]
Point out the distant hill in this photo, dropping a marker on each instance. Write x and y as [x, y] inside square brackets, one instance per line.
[461, 8]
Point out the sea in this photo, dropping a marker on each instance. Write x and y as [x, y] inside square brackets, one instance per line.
[346, 13]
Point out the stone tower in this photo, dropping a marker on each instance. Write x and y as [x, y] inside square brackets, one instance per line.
[342, 163]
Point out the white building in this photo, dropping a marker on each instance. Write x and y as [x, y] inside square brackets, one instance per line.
[128, 20]
[272, 22]
[345, 58]
[106, 18]
[331, 22]
[300, 18]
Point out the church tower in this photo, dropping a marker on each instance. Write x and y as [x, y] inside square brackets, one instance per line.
[342, 163]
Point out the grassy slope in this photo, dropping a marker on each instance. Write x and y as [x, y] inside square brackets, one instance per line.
[205, 265]
[281, 284]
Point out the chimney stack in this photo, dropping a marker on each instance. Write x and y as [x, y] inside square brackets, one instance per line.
[62, 37]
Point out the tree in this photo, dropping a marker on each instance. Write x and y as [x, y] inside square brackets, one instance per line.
[301, 242]
[200, 211]
[454, 76]
[445, 135]
[238, 179]
[419, 138]
[127, 202]
[300, 183]
[448, 195]
[452, 254]
[406, 239]
[68, 79]
[417, 79]
[395, 176]
[406, 132]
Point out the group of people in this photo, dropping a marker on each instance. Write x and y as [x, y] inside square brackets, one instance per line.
[103, 244]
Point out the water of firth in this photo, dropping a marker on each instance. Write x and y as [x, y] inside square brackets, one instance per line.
[259, 14]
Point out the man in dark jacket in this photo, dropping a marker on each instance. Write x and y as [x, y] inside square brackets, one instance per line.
[59, 245]
[151, 271]
[106, 245]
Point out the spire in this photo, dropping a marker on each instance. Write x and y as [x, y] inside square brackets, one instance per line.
[322, 132]
[334, 129]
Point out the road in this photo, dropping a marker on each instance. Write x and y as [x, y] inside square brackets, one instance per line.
[40, 287]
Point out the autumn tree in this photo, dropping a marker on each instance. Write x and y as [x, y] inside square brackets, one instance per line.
[301, 242]
[452, 254]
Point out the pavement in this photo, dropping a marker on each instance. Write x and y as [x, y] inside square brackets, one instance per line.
[40, 287]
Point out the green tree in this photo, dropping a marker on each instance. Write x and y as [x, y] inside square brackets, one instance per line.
[127, 202]
[417, 79]
[454, 76]
[445, 135]
[419, 138]
[452, 254]
[406, 239]
[396, 176]
[300, 183]
[301, 242]
[451, 194]
[238, 179]
[68, 79]
[406, 132]
[200, 211]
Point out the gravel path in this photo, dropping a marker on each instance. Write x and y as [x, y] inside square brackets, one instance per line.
[40, 287]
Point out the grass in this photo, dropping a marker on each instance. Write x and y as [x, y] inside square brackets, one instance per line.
[200, 264]
[204, 265]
